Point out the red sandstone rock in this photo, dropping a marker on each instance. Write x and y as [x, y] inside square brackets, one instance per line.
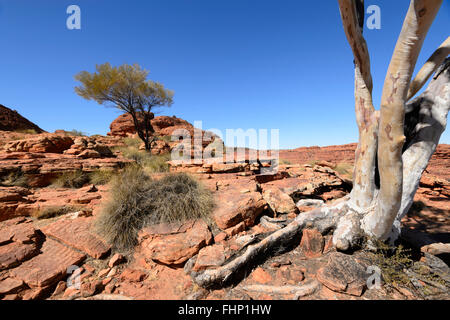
[210, 257]
[235, 207]
[133, 275]
[261, 276]
[77, 233]
[48, 143]
[11, 120]
[19, 230]
[279, 202]
[10, 285]
[312, 243]
[343, 274]
[13, 253]
[174, 244]
[115, 260]
[48, 267]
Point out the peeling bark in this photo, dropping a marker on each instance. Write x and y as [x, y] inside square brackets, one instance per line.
[366, 116]
[432, 108]
[421, 13]
[400, 149]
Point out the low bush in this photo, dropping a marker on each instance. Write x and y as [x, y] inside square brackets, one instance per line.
[51, 212]
[101, 177]
[75, 133]
[14, 179]
[72, 179]
[137, 200]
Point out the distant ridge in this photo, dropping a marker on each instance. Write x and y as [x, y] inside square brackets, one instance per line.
[11, 120]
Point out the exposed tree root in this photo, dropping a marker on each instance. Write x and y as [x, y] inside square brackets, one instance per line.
[324, 219]
[299, 291]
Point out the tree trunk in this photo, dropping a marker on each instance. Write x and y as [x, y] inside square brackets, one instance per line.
[395, 144]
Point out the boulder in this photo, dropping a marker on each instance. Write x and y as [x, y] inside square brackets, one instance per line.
[173, 244]
[343, 274]
[312, 243]
[11, 120]
[279, 202]
[48, 143]
[234, 207]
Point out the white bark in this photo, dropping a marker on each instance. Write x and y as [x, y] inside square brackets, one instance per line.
[420, 15]
[432, 108]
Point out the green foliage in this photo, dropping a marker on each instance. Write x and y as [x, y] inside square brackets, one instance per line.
[124, 86]
[26, 131]
[392, 262]
[77, 179]
[132, 142]
[127, 88]
[51, 212]
[73, 179]
[14, 179]
[137, 201]
[75, 133]
[156, 163]
[345, 169]
[284, 162]
[150, 163]
[101, 177]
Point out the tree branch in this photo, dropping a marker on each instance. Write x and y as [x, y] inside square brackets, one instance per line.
[419, 17]
[429, 68]
[352, 14]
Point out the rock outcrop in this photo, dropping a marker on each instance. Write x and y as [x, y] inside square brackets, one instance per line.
[11, 120]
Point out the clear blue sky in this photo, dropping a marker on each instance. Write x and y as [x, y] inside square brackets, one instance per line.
[278, 64]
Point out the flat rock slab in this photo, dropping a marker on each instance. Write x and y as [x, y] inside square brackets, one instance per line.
[174, 244]
[10, 285]
[343, 274]
[12, 254]
[48, 267]
[77, 233]
[18, 230]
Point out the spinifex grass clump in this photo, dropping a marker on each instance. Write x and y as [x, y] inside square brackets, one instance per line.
[136, 200]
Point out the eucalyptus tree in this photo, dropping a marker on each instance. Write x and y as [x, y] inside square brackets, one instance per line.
[395, 144]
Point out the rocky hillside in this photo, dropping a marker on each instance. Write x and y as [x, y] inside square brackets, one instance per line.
[46, 228]
[11, 120]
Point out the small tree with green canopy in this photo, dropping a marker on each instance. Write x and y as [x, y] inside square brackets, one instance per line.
[128, 89]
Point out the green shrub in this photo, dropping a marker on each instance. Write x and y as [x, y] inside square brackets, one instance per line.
[75, 133]
[156, 163]
[51, 212]
[345, 169]
[132, 142]
[26, 131]
[14, 179]
[284, 162]
[137, 201]
[151, 163]
[72, 179]
[392, 262]
[100, 177]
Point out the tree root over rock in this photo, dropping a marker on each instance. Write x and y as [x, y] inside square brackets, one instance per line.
[325, 219]
[299, 291]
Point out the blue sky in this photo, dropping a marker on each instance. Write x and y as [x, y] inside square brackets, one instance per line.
[262, 64]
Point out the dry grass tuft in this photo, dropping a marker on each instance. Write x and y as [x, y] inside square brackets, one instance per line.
[137, 201]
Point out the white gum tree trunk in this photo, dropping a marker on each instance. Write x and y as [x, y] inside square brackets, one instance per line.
[395, 143]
